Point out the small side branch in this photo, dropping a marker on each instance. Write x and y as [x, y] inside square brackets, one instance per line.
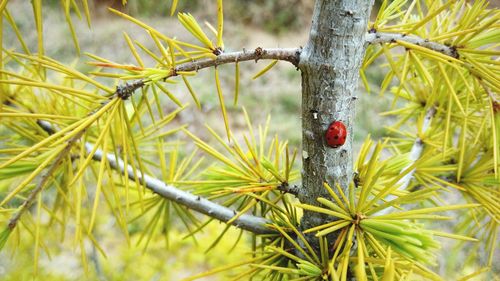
[127, 90]
[291, 55]
[494, 101]
[381, 37]
[47, 127]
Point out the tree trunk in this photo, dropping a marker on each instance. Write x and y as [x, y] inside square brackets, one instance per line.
[330, 64]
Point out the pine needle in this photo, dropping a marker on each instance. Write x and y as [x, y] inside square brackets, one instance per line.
[222, 104]
[220, 24]
[173, 7]
[265, 69]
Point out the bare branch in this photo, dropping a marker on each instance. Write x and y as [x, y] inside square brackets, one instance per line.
[291, 55]
[381, 37]
[247, 222]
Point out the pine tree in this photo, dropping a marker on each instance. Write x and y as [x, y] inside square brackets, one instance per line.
[73, 146]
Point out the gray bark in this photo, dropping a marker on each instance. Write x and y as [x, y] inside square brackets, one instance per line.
[247, 222]
[330, 64]
[251, 223]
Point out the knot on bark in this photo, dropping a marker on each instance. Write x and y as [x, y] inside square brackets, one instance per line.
[125, 91]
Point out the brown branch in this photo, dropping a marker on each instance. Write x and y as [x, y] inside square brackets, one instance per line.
[382, 37]
[495, 103]
[291, 55]
[373, 37]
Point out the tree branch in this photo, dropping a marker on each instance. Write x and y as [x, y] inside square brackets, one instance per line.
[381, 37]
[373, 37]
[291, 55]
[247, 222]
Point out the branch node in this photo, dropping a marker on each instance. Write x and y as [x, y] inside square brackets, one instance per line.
[286, 188]
[454, 52]
[125, 91]
[259, 52]
[217, 51]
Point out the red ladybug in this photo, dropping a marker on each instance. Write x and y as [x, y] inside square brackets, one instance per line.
[336, 134]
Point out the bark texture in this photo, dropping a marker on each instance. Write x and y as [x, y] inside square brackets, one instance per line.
[330, 64]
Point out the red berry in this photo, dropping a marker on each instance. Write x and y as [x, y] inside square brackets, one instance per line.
[336, 134]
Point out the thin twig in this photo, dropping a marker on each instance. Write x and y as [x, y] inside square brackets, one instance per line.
[373, 37]
[291, 55]
[494, 101]
[381, 37]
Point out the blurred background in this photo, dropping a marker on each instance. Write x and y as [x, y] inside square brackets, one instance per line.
[248, 24]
